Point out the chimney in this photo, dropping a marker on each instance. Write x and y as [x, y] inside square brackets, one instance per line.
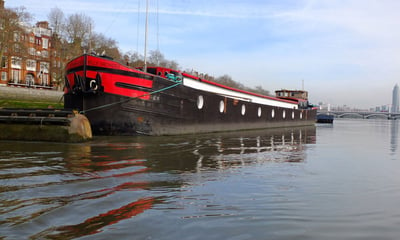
[1, 4]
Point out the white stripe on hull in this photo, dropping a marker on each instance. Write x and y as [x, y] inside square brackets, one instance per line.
[188, 82]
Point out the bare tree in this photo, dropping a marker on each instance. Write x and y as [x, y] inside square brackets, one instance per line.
[11, 30]
[228, 81]
[78, 30]
[259, 89]
[56, 21]
[104, 46]
[133, 59]
[156, 58]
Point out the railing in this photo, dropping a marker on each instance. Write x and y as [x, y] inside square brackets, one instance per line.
[30, 86]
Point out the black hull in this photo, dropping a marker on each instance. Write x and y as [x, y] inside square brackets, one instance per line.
[178, 110]
[324, 118]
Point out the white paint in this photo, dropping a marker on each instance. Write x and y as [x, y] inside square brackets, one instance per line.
[188, 82]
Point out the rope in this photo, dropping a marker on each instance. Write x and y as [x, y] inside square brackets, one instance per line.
[126, 100]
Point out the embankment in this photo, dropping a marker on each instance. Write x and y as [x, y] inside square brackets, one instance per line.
[30, 94]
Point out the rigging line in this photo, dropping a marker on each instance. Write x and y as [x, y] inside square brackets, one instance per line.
[126, 100]
[138, 22]
[158, 34]
[115, 17]
[145, 37]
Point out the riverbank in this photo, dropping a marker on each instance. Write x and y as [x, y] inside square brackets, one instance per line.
[17, 97]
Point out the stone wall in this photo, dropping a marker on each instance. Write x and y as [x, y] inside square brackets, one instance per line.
[30, 94]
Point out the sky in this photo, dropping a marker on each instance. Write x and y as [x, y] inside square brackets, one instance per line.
[343, 52]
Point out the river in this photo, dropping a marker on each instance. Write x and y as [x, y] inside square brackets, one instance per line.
[333, 181]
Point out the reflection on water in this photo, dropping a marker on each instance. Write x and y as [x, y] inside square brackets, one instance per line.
[394, 136]
[65, 191]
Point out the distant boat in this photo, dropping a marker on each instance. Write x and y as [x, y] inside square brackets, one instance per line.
[324, 118]
[119, 100]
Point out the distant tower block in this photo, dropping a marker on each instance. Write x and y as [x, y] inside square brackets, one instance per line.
[395, 99]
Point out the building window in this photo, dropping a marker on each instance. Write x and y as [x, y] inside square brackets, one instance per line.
[31, 51]
[45, 43]
[30, 65]
[44, 67]
[17, 48]
[44, 79]
[44, 73]
[16, 62]
[3, 76]
[4, 62]
[45, 54]
[16, 37]
[15, 75]
[29, 80]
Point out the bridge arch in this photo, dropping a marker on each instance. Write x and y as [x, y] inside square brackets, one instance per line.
[349, 114]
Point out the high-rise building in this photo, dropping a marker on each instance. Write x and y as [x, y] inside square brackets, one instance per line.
[395, 99]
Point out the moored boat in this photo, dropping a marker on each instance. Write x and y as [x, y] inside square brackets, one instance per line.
[325, 118]
[120, 100]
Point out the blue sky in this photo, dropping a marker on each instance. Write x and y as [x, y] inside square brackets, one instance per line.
[346, 51]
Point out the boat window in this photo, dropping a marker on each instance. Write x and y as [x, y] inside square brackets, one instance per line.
[152, 70]
[200, 102]
[221, 106]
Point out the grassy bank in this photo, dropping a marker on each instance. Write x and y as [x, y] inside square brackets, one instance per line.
[29, 104]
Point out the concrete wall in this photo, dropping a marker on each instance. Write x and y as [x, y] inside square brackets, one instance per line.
[37, 95]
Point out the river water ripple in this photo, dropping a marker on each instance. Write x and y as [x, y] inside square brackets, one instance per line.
[337, 181]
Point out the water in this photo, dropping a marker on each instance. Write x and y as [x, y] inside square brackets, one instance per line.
[337, 181]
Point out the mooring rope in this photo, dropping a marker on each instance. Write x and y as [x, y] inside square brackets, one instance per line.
[126, 100]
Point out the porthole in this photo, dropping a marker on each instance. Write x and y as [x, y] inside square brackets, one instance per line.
[293, 115]
[221, 106]
[273, 113]
[301, 115]
[200, 102]
[243, 110]
[284, 114]
[259, 112]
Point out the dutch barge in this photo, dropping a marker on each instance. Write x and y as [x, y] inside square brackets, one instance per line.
[120, 100]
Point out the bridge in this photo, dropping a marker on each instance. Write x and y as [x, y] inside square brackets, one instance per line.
[360, 114]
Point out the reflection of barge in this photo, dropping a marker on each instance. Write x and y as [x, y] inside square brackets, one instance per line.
[119, 100]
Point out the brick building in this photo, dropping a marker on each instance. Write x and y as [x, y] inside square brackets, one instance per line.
[30, 60]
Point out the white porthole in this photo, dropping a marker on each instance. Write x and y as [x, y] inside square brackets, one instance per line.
[284, 114]
[301, 115]
[221, 106]
[259, 112]
[200, 102]
[293, 115]
[273, 113]
[243, 110]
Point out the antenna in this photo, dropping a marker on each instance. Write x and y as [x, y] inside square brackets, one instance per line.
[145, 38]
[158, 35]
[138, 22]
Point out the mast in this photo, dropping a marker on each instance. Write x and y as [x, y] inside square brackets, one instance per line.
[145, 37]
